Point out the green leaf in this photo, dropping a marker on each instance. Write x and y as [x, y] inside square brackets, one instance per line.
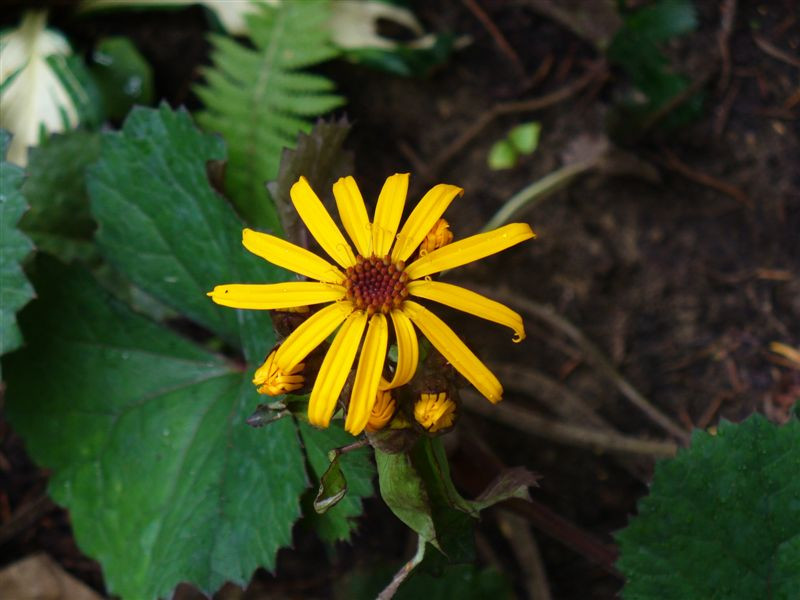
[123, 76]
[722, 519]
[357, 470]
[332, 487]
[525, 137]
[15, 290]
[145, 435]
[318, 156]
[635, 48]
[502, 155]
[59, 220]
[162, 224]
[260, 98]
[510, 483]
[404, 492]
[663, 20]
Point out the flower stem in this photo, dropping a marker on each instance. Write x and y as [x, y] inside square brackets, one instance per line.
[399, 577]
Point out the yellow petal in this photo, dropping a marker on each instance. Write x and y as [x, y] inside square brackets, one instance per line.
[388, 212]
[470, 249]
[407, 351]
[335, 369]
[353, 214]
[311, 334]
[368, 375]
[463, 299]
[422, 218]
[320, 223]
[287, 255]
[276, 295]
[453, 349]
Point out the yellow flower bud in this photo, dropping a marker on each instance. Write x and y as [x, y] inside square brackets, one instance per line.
[382, 411]
[439, 235]
[270, 380]
[435, 411]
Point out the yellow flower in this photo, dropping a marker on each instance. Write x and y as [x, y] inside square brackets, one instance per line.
[371, 287]
[435, 411]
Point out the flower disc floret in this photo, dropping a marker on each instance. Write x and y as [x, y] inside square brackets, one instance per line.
[376, 284]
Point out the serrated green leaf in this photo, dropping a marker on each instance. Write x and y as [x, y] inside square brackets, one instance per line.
[254, 98]
[319, 157]
[123, 76]
[59, 220]
[15, 290]
[722, 519]
[146, 437]
[338, 522]
[162, 224]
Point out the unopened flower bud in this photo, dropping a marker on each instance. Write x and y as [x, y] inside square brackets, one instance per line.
[435, 411]
[272, 381]
[382, 411]
[439, 235]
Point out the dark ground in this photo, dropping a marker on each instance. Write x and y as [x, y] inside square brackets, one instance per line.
[682, 282]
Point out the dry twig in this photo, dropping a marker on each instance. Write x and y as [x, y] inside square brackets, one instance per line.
[776, 52]
[496, 34]
[674, 163]
[593, 356]
[528, 421]
[523, 543]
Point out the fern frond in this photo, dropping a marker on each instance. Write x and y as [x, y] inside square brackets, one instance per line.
[259, 98]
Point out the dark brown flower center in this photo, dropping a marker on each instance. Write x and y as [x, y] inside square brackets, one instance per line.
[376, 284]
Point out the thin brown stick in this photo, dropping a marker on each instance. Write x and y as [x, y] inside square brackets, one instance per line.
[517, 531]
[527, 421]
[594, 356]
[792, 100]
[496, 34]
[505, 108]
[776, 52]
[674, 163]
[553, 394]
[565, 532]
[724, 109]
[562, 401]
[540, 516]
